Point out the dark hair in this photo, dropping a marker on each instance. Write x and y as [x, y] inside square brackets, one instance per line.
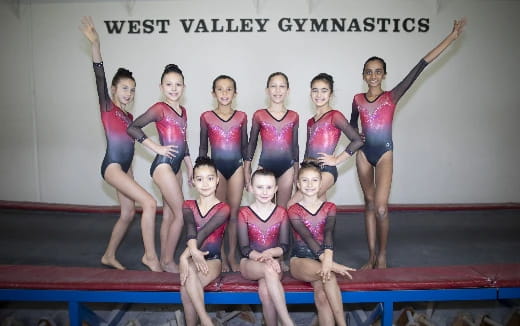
[171, 68]
[224, 77]
[374, 58]
[204, 161]
[263, 172]
[309, 164]
[326, 78]
[122, 73]
[278, 73]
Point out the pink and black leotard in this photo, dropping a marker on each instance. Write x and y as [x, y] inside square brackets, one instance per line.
[120, 146]
[207, 229]
[171, 128]
[323, 136]
[377, 116]
[314, 232]
[259, 235]
[279, 140]
[228, 139]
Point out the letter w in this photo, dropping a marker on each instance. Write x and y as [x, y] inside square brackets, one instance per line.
[114, 26]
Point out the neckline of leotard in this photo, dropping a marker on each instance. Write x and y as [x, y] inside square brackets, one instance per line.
[220, 118]
[209, 210]
[286, 112]
[258, 216]
[366, 98]
[171, 108]
[324, 114]
[308, 211]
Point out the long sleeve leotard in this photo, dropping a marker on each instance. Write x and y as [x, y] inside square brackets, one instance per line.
[228, 140]
[207, 229]
[279, 140]
[313, 232]
[259, 235]
[120, 146]
[377, 116]
[171, 128]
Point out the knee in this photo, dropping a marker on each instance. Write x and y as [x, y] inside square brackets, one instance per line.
[369, 204]
[270, 274]
[381, 211]
[127, 214]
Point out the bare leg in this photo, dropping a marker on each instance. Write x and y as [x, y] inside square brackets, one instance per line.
[268, 306]
[235, 188]
[384, 169]
[170, 185]
[221, 193]
[285, 187]
[273, 302]
[129, 191]
[366, 180]
[325, 314]
[192, 293]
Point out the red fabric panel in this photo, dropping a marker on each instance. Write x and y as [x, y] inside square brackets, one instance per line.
[501, 275]
[234, 282]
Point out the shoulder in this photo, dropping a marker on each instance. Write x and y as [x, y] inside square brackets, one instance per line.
[293, 114]
[223, 207]
[281, 210]
[243, 212]
[190, 203]
[295, 209]
[329, 208]
[335, 114]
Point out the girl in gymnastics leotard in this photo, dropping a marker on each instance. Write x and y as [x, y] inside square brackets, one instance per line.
[263, 232]
[170, 119]
[116, 168]
[375, 160]
[323, 132]
[313, 249]
[205, 220]
[278, 128]
[227, 132]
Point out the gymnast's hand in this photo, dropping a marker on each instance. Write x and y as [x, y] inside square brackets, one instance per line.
[198, 259]
[342, 270]
[167, 150]
[326, 159]
[88, 29]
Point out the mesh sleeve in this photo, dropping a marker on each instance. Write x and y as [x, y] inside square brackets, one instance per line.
[307, 142]
[405, 84]
[300, 227]
[153, 114]
[243, 235]
[284, 237]
[105, 103]
[354, 115]
[253, 138]
[189, 222]
[243, 145]
[341, 123]
[328, 239]
[203, 145]
[220, 217]
[296, 148]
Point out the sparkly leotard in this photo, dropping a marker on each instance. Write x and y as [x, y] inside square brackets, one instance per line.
[259, 235]
[313, 232]
[279, 140]
[207, 229]
[228, 139]
[171, 128]
[323, 136]
[377, 116]
[120, 146]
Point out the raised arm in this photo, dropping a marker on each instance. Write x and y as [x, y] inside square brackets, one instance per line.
[458, 26]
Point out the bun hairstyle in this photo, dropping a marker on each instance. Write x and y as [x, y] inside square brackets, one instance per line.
[263, 172]
[278, 73]
[224, 77]
[326, 78]
[374, 59]
[122, 73]
[309, 163]
[171, 68]
[204, 161]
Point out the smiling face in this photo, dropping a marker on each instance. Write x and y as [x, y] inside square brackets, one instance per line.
[374, 73]
[320, 93]
[123, 92]
[277, 89]
[309, 181]
[205, 180]
[224, 91]
[264, 188]
[172, 87]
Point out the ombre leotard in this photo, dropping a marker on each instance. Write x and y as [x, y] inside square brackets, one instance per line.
[259, 235]
[171, 128]
[314, 232]
[323, 136]
[120, 146]
[377, 116]
[279, 140]
[207, 229]
[228, 139]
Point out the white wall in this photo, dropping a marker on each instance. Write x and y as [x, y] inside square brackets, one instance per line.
[455, 132]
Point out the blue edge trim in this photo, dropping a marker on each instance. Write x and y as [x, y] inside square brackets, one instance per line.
[77, 312]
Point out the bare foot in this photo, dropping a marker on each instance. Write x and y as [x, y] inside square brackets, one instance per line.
[152, 263]
[235, 267]
[371, 264]
[170, 267]
[381, 261]
[284, 266]
[112, 262]
[225, 266]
